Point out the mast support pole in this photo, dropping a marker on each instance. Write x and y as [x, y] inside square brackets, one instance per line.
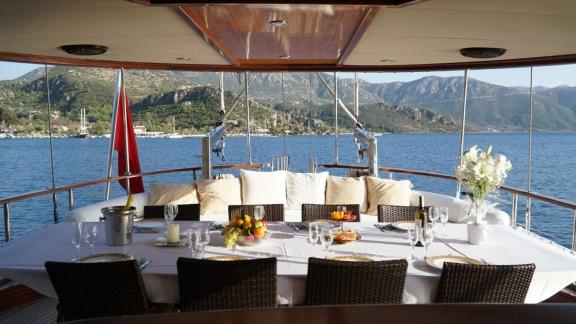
[248, 135]
[126, 142]
[528, 220]
[54, 201]
[112, 134]
[336, 153]
[462, 125]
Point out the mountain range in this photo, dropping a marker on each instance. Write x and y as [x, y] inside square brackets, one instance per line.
[280, 102]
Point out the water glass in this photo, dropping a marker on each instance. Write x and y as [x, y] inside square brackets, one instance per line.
[170, 212]
[326, 238]
[443, 217]
[203, 240]
[259, 212]
[77, 237]
[428, 238]
[412, 240]
[434, 214]
[313, 234]
[90, 233]
[193, 241]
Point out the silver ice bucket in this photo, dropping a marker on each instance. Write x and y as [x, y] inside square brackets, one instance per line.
[118, 223]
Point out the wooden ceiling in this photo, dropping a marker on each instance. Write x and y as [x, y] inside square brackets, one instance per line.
[308, 35]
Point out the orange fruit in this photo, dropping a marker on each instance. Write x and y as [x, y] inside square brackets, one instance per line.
[259, 232]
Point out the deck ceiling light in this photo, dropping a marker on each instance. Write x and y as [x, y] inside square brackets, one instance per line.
[386, 61]
[278, 23]
[285, 56]
[84, 49]
[183, 58]
[482, 52]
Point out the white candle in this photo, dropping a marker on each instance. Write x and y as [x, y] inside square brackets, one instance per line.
[173, 234]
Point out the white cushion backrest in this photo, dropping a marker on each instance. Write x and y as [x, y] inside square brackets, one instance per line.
[263, 187]
[346, 190]
[172, 193]
[305, 188]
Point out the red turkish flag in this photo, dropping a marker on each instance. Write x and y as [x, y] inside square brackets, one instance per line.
[136, 184]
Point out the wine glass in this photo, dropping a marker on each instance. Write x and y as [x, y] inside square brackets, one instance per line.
[193, 241]
[326, 238]
[259, 212]
[77, 237]
[412, 240]
[428, 238]
[443, 217]
[90, 233]
[203, 240]
[313, 234]
[434, 214]
[170, 212]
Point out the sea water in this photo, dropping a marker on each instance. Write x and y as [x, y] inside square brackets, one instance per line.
[25, 167]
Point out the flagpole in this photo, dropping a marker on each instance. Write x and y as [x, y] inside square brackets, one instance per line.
[126, 143]
[113, 134]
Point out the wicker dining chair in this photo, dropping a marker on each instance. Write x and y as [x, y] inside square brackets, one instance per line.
[472, 283]
[87, 290]
[332, 282]
[274, 212]
[189, 212]
[311, 212]
[390, 213]
[217, 285]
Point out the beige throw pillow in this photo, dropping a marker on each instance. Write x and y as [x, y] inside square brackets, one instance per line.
[387, 192]
[172, 193]
[216, 195]
[346, 190]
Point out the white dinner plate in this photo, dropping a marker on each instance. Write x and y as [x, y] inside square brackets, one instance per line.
[105, 257]
[163, 242]
[438, 261]
[352, 258]
[323, 224]
[403, 225]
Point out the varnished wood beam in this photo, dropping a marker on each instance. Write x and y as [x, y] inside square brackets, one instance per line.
[386, 3]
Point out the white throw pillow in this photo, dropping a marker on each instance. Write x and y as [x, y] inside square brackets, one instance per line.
[172, 193]
[305, 188]
[387, 192]
[216, 195]
[346, 190]
[263, 187]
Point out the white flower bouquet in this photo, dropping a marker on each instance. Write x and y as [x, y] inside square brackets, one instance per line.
[481, 173]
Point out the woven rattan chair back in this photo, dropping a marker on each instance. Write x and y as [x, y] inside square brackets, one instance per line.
[332, 282]
[470, 283]
[390, 213]
[311, 212]
[87, 290]
[215, 285]
[190, 212]
[273, 212]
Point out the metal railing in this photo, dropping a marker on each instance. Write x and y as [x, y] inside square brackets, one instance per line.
[514, 191]
[5, 202]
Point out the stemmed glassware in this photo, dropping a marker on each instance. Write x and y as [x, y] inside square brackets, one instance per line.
[90, 233]
[434, 214]
[170, 212]
[193, 241]
[412, 240]
[326, 238]
[313, 234]
[428, 238]
[77, 237]
[203, 240]
[259, 212]
[443, 217]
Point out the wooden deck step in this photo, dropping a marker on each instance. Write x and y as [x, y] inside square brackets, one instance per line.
[41, 310]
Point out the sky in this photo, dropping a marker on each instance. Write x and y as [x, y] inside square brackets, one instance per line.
[547, 76]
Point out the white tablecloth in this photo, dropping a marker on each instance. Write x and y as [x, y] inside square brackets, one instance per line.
[23, 260]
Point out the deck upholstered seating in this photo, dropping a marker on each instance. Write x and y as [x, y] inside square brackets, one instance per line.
[312, 212]
[189, 212]
[88, 290]
[217, 285]
[469, 283]
[332, 282]
[390, 214]
[273, 212]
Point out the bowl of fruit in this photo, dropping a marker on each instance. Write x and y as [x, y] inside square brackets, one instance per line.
[343, 216]
[245, 230]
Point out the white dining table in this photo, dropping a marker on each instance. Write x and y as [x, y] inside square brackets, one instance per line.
[23, 260]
